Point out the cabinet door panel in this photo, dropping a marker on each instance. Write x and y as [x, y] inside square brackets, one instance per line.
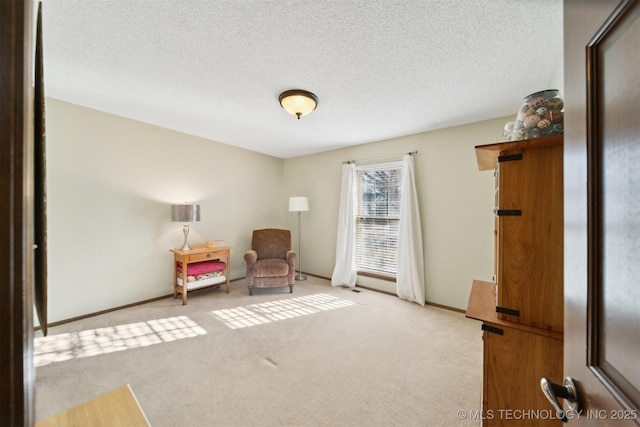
[530, 245]
[514, 363]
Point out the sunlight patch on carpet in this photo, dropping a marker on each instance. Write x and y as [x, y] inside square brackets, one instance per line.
[267, 312]
[92, 342]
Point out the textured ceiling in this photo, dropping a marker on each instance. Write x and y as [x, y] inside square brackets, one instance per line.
[380, 68]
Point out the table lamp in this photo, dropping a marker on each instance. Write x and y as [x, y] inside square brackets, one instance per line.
[185, 214]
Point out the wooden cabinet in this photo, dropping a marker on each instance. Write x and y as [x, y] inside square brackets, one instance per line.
[183, 260]
[522, 310]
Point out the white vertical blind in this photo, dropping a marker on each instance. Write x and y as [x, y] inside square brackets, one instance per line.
[379, 193]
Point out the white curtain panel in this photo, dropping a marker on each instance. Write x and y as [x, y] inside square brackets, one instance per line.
[344, 272]
[410, 279]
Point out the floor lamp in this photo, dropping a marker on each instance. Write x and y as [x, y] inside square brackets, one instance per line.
[299, 204]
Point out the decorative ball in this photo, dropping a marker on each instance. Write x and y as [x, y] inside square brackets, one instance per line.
[541, 111]
[508, 127]
[522, 133]
[556, 116]
[557, 128]
[544, 123]
[555, 104]
[522, 113]
[531, 121]
[534, 133]
[537, 102]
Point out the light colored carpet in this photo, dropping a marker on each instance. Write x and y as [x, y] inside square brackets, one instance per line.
[321, 356]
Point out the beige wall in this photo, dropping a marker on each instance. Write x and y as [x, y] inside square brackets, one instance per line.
[456, 205]
[110, 183]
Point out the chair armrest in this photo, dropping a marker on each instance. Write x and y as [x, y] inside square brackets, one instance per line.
[250, 257]
[291, 259]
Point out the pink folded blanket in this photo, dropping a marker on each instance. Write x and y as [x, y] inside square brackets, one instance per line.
[204, 267]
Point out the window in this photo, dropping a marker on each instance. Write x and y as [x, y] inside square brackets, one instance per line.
[379, 191]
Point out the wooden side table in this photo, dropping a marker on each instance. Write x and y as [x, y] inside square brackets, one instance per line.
[195, 255]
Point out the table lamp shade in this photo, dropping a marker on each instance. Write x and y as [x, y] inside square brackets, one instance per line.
[185, 213]
[299, 204]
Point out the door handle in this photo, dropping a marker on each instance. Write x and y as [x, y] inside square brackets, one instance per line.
[568, 392]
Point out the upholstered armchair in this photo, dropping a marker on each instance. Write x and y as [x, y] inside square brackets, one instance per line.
[270, 261]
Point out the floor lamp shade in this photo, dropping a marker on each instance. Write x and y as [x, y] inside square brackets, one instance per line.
[185, 214]
[299, 204]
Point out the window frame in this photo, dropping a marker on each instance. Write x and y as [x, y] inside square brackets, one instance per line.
[385, 209]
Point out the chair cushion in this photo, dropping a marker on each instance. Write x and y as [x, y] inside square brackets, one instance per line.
[270, 268]
[271, 243]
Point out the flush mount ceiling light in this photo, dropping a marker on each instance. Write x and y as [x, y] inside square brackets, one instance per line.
[298, 102]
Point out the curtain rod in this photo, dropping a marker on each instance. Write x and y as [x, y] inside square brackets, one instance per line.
[410, 153]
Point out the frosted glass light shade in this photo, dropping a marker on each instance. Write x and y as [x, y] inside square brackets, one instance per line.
[298, 204]
[185, 213]
[298, 102]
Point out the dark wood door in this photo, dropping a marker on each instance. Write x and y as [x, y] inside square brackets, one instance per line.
[602, 209]
[17, 373]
